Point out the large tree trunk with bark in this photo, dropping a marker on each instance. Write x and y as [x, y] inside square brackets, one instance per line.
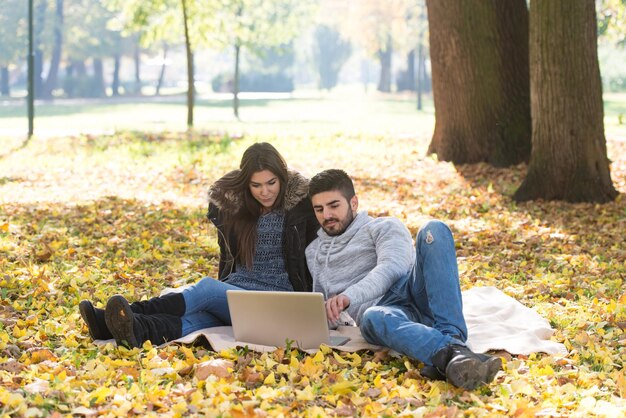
[569, 159]
[53, 71]
[480, 77]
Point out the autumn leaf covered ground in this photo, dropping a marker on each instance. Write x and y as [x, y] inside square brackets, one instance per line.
[85, 217]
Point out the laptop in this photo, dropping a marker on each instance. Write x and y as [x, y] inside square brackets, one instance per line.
[274, 318]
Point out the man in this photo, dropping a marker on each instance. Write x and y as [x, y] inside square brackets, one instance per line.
[404, 298]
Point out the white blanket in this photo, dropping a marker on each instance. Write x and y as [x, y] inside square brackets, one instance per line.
[495, 321]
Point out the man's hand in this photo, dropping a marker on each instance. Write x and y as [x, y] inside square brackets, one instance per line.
[335, 305]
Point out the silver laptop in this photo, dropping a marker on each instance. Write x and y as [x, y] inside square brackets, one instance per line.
[273, 318]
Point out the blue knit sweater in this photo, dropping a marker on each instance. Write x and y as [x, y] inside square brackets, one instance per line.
[268, 270]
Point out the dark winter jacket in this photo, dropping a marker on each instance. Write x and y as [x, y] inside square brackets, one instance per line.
[300, 228]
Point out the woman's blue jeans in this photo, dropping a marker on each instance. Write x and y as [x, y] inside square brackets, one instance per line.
[422, 312]
[206, 305]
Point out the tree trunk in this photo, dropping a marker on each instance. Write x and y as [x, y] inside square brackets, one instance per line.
[5, 89]
[68, 85]
[236, 81]
[569, 160]
[39, 25]
[115, 85]
[38, 71]
[53, 71]
[137, 69]
[80, 67]
[99, 89]
[190, 78]
[420, 73]
[162, 72]
[405, 79]
[384, 83]
[480, 77]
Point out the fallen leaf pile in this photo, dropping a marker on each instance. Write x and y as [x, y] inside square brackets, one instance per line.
[89, 217]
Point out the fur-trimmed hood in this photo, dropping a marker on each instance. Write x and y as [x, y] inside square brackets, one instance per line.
[231, 201]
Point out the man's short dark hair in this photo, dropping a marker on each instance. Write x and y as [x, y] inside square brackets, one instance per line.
[332, 179]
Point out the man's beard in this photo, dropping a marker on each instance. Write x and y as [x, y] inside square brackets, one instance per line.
[340, 225]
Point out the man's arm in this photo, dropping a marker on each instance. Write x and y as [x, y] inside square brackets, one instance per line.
[334, 307]
[395, 257]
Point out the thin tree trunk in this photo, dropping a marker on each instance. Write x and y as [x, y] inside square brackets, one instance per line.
[115, 85]
[421, 66]
[426, 87]
[236, 81]
[137, 57]
[53, 71]
[68, 85]
[5, 89]
[410, 69]
[569, 158]
[81, 68]
[190, 76]
[98, 75]
[39, 25]
[420, 74]
[365, 74]
[479, 56]
[162, 72]
[384, 83]
[39, 81]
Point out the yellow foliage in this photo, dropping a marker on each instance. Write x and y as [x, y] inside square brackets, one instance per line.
[63, 240]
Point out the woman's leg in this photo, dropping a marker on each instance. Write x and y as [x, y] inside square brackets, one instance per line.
[200, 320]
[205, 306]
[208, 295]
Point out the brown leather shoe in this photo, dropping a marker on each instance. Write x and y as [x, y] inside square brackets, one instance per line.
[465, 369]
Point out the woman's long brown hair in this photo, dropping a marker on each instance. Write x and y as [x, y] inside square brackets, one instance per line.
[258, 157]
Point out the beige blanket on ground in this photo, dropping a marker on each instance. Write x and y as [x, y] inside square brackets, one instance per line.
[495, 321]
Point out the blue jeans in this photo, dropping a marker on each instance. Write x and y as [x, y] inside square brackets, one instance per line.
[206, 305]
[421, 312]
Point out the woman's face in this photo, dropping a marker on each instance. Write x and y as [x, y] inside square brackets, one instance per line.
[265, 187]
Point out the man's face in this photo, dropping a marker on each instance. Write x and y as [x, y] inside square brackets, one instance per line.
[333, 211]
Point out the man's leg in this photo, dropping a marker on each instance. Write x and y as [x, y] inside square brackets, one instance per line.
[436, 294]
[397, 327]
[435, 290]
[421, 315]
[422, 312]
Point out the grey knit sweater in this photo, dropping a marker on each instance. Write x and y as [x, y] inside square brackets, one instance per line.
[363, 262]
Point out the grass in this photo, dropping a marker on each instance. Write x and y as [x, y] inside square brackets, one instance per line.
[313, 112]
[346, 110]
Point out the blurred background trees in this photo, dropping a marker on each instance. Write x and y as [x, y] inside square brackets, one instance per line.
[96, 48]
[493, 70]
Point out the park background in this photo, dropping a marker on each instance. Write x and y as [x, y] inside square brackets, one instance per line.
[108, 195]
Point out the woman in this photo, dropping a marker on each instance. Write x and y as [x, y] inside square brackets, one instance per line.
[264, 220]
